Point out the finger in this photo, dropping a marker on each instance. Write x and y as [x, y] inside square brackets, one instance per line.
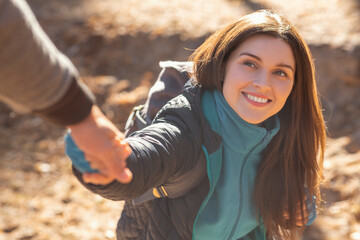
[117, 167]
[126, 176]
[97, 164]
[97, 178]
[90, 158]
[102, 169]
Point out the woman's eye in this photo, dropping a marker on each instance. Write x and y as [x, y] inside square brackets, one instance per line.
[281, 73]
[249, 64]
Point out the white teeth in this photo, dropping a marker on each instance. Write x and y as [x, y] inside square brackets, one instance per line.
[256, 99]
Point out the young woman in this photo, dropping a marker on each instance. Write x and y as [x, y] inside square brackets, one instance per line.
[251, 115]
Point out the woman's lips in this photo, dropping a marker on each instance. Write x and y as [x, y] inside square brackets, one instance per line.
[256, 99]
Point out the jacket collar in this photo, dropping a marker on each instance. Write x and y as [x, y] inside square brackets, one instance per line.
[193, 91]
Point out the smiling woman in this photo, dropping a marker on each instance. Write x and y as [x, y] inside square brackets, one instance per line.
[265, 71]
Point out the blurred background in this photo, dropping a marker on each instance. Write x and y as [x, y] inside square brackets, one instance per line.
[116, 45]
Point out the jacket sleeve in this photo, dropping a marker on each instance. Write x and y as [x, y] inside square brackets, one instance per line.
[34, 76]
[159, 152]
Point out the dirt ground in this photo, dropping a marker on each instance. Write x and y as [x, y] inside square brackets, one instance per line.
[116, 45]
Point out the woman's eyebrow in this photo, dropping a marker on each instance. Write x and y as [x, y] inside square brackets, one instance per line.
[259, 59]
[251, 55]
[286, 66]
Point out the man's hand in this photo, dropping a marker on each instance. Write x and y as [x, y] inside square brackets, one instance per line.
[104, 147]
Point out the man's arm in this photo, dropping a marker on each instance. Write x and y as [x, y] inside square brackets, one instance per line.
[34, 76]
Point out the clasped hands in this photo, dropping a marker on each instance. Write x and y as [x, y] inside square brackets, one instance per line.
[104, 148]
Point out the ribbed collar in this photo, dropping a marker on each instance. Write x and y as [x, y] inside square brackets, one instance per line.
[239, 135]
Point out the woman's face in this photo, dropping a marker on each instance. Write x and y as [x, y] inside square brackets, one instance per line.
[259, 76]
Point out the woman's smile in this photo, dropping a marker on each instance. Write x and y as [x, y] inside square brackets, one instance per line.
[256, 99]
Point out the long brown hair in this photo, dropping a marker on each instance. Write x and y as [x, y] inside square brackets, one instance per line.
[292, 162]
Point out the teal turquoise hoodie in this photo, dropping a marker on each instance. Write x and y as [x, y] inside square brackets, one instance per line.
[228, 211]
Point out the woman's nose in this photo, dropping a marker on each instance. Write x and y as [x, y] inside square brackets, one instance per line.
[262, 82]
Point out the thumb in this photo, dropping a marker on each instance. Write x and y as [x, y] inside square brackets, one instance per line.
[117, 166]
[125, 176]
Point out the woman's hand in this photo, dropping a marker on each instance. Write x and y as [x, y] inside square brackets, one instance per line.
[104, 148]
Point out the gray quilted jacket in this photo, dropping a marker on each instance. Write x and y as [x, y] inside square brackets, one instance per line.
[179, 127]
